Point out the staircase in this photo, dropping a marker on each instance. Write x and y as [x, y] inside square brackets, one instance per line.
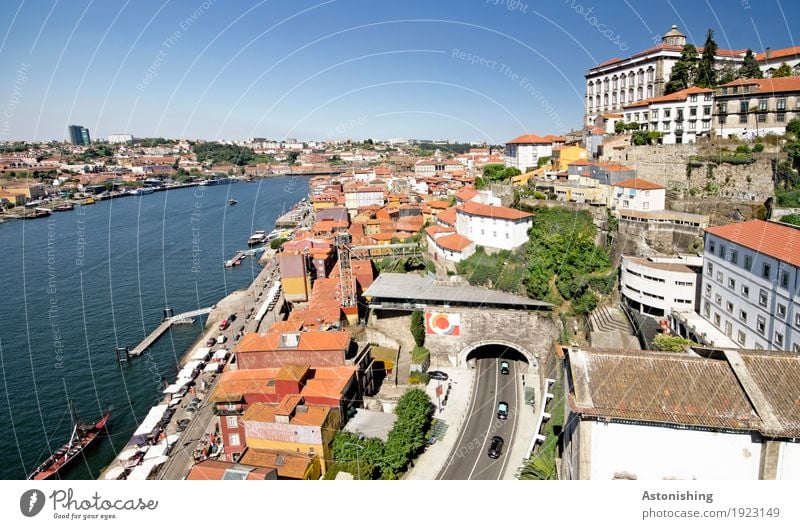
[608, 319]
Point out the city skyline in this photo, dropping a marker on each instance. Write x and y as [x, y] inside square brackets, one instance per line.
[354, 71]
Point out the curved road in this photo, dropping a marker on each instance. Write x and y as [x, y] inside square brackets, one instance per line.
[469, 459]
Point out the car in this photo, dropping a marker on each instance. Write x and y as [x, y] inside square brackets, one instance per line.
[438, 375]
[504, 370]
[180, 393]
[496, 448]
[191, 408]
[211, 342]
[224, 324]
[195, 400]
[183, 424]
[222, 338]
[502, 410]
[231, 318]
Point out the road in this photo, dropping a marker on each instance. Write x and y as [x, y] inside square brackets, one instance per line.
[469, 459]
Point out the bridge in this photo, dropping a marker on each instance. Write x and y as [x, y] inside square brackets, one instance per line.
[166, 323]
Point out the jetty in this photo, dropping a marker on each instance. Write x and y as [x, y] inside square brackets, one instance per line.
[236, 259]
[166, 323]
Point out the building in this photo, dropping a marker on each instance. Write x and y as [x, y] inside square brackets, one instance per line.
[564, 155]
[771, 60]
[219, 470]
[292, 426]
[617, 82]
[609, 173]
[360, 196]
[751, 286]
[445, 243]
[638, 194]
[120, 138]
[79, 135]
[754, 107]
[493, 226]
[524, 152]
[278, 349]
[658, 285]
[289, 466]
[680, 117]
[653, 415]
[432, 166]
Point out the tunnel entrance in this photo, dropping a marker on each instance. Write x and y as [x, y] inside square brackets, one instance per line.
[495, 349]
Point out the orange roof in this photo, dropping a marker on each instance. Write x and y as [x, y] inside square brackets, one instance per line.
[311, 415]
[789, 53]
[680, 95]
[497, 212]
[667, 47]
[773, 84]
[287, 404]
[448, 216]
[309, 341]
[288, 464]
[233, 385]
[769, 238]
[638, 183]
[294, 373]
[453, 242]
[215, 470]
[533, 138]
[286, 325]
[466, 193]
[435, 230]
[439, 204]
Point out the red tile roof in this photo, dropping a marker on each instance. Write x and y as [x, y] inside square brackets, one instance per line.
[309, 341]
[638, 183]
[767, 86]
[215, 470]
[789, 53]
[466, 193]
[453, 242]
[680, 95]
[433, 231]
[769, 238]
[448, 216]
[497, 212]
[532, 138]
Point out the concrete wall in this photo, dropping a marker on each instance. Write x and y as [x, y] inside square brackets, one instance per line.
[789, 461]
[667, 165]
[649, 452]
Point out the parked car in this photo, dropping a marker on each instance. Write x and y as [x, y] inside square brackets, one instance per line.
[224, 324]
[504, 370]
[211, 342]
[183, 424]
[502, 410]
[180, 393]
[191, 408]
[496, 447]
[231, 318]
[195, 400]
[438, 375]
[222, 338]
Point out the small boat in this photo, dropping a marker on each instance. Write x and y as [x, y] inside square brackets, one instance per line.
[64, 207]
[82, 436]
[258, 237]
[232, 201]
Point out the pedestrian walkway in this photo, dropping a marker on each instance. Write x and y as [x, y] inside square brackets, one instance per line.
[454, 413]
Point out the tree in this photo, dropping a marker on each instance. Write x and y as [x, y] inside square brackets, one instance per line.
[683, 71]
[726, 74]
[619, 127]
[418, 327]
[784, 70]
[791, 219]
[667, 342]
[407, 437]
[793, 126]
[706, 73]
[749, 68]
[539, 467]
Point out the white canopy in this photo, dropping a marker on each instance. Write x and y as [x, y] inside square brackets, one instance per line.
[156, 451]
[221, 354]
[113, 473]
[172, 439]
[201, 353]
[150, 421]
[143, 471]
[172, 388]
[127, 453]
[175, 401]
[212, 368]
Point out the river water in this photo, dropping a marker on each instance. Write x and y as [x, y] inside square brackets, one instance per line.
[78, 284]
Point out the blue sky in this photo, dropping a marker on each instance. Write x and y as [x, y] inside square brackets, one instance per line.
[218, 69]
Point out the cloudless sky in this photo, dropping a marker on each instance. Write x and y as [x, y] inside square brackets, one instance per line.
[328, 69]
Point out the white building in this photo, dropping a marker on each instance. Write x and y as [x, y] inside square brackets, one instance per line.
[751, 286]
[120, 138]
[771, 60]
[356, 197]
[493, 226]
[617, 82]
[680, 117]
[753, 107]
[663, 416]
[431, 166]
[638, 194]
[523, 152]
[658, 285]
[445, 243]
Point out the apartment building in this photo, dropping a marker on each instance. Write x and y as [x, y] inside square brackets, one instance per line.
[524, 152]
[771, 60]
[680, 117]
[658, 285]
[751, 289]
[638, 194]
[754, 107]
[493, 226]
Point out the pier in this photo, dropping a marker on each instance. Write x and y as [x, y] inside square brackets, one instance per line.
[236, 259]
[162, 328]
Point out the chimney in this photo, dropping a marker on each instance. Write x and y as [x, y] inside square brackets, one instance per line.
[768, 53]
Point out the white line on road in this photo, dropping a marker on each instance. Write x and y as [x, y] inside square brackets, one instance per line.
[488, 430]
[475, 383]
[513, 425]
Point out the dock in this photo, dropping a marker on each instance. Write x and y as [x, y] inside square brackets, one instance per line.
[236, 259]
[162, 328]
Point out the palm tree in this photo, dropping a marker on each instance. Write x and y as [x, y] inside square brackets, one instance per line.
[754, 110]
[540, 466]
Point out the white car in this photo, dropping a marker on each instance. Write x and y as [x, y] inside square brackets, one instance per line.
[222, 338]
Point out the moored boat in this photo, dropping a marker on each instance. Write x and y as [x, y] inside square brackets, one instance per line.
[258, 237]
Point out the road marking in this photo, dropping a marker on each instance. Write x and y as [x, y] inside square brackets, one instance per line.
[517, 408]
[491, 423]
[475, 382]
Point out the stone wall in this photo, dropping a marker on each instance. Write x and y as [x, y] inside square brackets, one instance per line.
[669, 165]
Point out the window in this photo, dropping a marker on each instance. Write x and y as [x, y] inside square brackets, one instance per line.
[745, 291]
[679, 114]
[693, 111]
[654, 115]
[780, 117]
[731, 283]
[762, 105]
[232, 421]
[766, 271]
[761, 323]
[707, 97]
[780, 104]
[781, 311]
[734, 257]
[762, 297]
[797, 318]
[711, 245]
[743, 316]
[507, 235]
[667, 112]
[693, 98]
[796, 348]
[718, 299]
[716, 319]
[729, 306]
[719, 277]
[708, 290]
[706, 110]
[728, 329]
[710, 269]
[233, 439]
[646, 205]
[762, 118]
[666, 125]
[785, 279]
[722, 251]
[740, 337]
[748, 262]
[778, 339]
[707, 309]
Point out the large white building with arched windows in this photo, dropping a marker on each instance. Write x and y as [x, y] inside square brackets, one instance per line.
[619, 82]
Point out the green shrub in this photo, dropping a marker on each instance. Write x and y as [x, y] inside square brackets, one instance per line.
[791, 219]
[758, 147]
[743, 149]
[419, 354]
[418, 327]
[417, 377]
[277, 243]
